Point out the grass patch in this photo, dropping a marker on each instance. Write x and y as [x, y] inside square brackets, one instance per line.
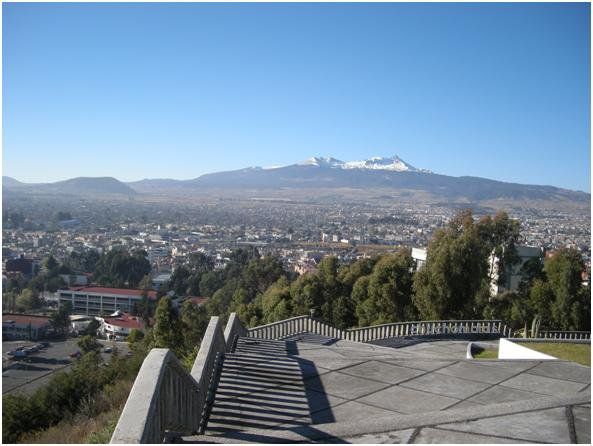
[486, 354]
[580, 353]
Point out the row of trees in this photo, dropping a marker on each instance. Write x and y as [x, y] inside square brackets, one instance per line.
[453, 284]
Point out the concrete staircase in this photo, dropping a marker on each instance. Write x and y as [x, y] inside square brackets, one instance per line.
[313, 388]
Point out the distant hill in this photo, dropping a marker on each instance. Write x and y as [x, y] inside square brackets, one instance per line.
[74, 186]
[311, 176]
[328, 174]
[155, 186]
[10, 182]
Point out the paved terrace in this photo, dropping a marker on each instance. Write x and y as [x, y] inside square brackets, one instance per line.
[311, 388]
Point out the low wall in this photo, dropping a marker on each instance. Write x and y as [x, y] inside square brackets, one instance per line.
[511, 350]
[165, 397]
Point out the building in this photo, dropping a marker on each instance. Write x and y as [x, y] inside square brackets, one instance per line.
[25, 326]
[512, 273]
[80, 322]
[119, 325]
[97, 301]
[197, 300]
[160, 279]
[27, 267]
[419, 256]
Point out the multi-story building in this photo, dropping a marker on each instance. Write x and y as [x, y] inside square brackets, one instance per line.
[94, 300]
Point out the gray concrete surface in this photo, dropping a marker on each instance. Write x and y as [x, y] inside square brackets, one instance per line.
[419, 392]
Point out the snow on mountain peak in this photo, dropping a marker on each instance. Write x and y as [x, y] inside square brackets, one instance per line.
[380, 163]
[322, 161]
[394, 163]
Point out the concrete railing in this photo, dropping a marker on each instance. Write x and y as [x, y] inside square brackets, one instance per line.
[293, 326]
[301, 324]
[233, 330]
[553, 334]
[425, 328]
[165, 397]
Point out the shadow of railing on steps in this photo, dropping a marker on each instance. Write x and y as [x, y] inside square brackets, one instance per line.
[166, 398]
[266, 385]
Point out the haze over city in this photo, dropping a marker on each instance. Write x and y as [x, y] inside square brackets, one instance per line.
[138, 91]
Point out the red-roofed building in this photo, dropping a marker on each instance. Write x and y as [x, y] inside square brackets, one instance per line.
[197, 300]
[118, 327]
[94, 300]
[24, 326]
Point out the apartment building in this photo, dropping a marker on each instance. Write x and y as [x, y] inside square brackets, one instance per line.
[96, 301]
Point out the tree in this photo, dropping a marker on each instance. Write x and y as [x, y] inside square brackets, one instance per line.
[306, 293]
[275, 301]
[194, 321]
[134, 336]
[27, 300]
[200, 263]
[571, 300]
[85, 261]
[178, 281]
[209, 283]
[144, 308]
[166, 331]
[456, 270]
[60, 319]
[88, 344]
[91, 328]
[500, 236]
[344, 312]
[388, 294]
[120, 268]
[146, 283]
[49, 264]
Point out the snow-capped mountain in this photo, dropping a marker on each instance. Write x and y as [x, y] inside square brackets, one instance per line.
[319, 161]
[395, 164]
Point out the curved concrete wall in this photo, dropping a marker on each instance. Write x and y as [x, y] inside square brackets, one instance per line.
[510, 350]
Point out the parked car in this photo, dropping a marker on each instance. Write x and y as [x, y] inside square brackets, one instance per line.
[107, 349]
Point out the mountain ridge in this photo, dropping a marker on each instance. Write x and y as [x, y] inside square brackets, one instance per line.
[319, 172]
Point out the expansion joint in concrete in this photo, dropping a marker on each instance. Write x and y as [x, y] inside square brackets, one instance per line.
[571, 427]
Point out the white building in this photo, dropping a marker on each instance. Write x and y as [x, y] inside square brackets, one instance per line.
[100, 300]
[512, 274]
[119, 325]
[419, 256]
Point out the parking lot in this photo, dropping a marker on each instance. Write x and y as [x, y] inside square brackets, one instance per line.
[25, 375]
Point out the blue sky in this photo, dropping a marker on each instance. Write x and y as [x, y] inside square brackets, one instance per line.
[176, 90]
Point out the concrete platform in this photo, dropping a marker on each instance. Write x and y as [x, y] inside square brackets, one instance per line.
[315, 389]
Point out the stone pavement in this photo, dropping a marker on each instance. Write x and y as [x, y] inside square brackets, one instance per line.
[314, 389]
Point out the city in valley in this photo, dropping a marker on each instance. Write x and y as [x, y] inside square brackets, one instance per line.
[298, 231]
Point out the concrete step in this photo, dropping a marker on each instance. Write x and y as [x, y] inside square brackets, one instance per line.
[332, 391]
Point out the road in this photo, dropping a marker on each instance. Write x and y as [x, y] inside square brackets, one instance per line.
[28, 374]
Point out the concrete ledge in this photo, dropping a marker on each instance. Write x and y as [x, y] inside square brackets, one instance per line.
[472, 346]
[151, 408]
[552, 340]
[212, 343]
[508, 349]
